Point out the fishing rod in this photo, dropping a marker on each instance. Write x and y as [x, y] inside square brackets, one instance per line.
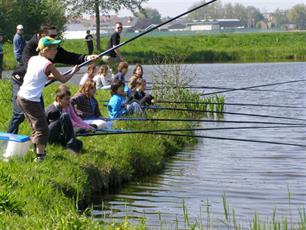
[219, 112]
[160, 132]
[203, 120]
[256, 86]
[233, 139]
[105, 132]
[226, 88]
[138, 36]
[230, 104]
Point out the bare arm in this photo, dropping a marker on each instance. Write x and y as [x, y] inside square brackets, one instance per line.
[52, 72]
[117, 51]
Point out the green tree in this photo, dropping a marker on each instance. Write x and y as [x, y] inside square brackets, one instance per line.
[31, 14]
[297, 15]
[280, 18]
[150, 13]
[98, 7]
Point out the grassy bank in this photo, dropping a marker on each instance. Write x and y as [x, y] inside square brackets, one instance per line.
[252, 47]
[48, 195]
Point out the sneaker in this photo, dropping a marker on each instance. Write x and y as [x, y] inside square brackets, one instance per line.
[39, 158]
[76, 147]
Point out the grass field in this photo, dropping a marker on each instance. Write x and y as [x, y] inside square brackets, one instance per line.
[244, 47]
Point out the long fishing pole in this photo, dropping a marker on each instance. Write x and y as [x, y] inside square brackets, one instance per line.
[203, 121]
[233, 139]
[227, 88]
[139, 35]
[219, 112]
[230, 104]
[256, 86]
[105, 132]
[160, 132]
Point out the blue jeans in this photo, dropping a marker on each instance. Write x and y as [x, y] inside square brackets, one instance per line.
[18, 116]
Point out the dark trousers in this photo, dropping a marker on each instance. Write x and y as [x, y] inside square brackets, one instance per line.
[18, 115]
[90, 47]
[1, 64]
[61, 132]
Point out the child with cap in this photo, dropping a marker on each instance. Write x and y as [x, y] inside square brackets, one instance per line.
[40, 70]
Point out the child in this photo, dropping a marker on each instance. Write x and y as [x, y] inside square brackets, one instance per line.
[117, 105]
[87, 107]
[90, 74]
[122, 69]
[40, 70]
[103, 79]
[139, 93]
[137, 73]
[60, 125]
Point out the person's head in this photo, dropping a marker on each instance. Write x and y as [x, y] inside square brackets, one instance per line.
[19, 29]
[123, 67]
[91, 70]
[89, 88]
[118, 27]
[87, 31]
[141, 84]
[52, 32]
[62, 96]
[103, 70]
[138, 71]
[117, 87]
[47, 47]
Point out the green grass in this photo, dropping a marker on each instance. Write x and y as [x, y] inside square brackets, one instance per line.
[48, 195]
[243, 47]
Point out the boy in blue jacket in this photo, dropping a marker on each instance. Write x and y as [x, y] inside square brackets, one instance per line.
[117, 105]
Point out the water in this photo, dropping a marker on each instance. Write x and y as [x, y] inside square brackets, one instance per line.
[254, 177]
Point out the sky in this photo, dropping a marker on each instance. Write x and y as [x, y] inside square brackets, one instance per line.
[174, 7]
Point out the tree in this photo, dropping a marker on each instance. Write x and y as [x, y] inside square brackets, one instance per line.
[149, 13]
[98, 7]
[280, 18]
[31, 15]
[297, 15]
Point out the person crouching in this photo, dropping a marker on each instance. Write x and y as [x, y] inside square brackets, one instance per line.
[60, 125]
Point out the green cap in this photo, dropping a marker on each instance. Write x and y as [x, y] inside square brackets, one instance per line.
[47, 41]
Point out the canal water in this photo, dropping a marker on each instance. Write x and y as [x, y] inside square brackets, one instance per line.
[254, 177]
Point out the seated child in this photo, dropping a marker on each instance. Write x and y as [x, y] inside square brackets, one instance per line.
[122, 70]
[87, 107]
[117, 105]
[103, 79]
[59, 123]
[40, 70]
[78, 124]
[137, 73]
[90, 74]
[140, 95]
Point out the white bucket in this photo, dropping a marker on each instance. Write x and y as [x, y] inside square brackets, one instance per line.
[16, 149]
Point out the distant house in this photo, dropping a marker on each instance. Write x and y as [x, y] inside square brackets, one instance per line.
[215, 24]
[177, 27]
[142, 24]
[230, 24]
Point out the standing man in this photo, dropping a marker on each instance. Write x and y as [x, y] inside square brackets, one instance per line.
[19, 43]
[115, 56]
[89, 41]
[1, 55]
[62, 56]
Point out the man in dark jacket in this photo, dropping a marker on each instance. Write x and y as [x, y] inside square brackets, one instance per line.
[62, 56]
